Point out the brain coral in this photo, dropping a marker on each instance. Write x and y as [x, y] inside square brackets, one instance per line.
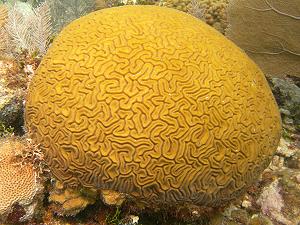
[152, 102]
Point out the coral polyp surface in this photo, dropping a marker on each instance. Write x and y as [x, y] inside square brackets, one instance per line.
[151, 102]
[215, 13]
[18, 181]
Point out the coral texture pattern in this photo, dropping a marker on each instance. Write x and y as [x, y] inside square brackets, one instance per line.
[152, 102]
[18, 183]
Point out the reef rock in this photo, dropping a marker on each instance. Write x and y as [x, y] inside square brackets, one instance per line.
[280, 199]
[152, 102]
[67, 201]
[287, 94]
[11, 102]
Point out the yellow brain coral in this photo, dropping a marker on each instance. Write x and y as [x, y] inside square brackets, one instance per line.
[152, 102]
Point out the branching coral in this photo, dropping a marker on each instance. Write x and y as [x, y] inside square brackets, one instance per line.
[269, 31]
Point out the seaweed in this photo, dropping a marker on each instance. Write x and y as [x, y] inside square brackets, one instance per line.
[115, 218]
[5, 130]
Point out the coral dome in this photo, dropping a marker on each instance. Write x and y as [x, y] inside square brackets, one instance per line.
[154, 103]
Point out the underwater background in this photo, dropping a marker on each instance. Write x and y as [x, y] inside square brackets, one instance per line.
[268, 31]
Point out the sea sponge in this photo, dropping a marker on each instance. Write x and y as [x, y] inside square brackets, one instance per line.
[152, 102]
[18, 182]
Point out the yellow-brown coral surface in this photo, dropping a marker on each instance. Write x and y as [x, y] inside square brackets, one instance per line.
[152, 102]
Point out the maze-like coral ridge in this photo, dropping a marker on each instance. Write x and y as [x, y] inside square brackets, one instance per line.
[152, 102]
